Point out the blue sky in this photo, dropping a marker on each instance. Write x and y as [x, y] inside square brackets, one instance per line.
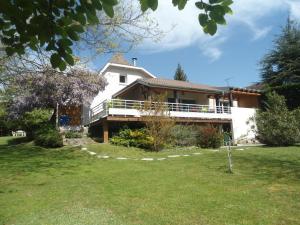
[233, 53]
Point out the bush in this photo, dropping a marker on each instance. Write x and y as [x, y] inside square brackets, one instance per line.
[133, 138]
[183, 135]
[48, 136]
[35, 120]
[73, 134]
[210, 137]
[277, 126]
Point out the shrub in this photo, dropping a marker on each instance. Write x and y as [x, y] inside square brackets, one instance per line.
[133, 138]
[48, 136]
[210, 137]
[183, 135]
[73, 134]
[277, 126]
[35, 120]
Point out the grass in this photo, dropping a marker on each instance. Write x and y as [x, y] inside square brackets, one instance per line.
[67, 186]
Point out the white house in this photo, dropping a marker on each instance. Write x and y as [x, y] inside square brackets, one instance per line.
[130, 86]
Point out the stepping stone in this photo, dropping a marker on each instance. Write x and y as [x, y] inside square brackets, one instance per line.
[173, 156]
[161, 159]
[83, 149]
[147, 159]
[240, 149]
[103, 156]
[121, 158]
[185, 155]
[92, 153]
[197, 153]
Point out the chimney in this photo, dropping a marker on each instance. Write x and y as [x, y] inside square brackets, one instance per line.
[134, 61]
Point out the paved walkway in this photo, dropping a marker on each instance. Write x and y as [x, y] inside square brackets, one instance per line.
[141, 159]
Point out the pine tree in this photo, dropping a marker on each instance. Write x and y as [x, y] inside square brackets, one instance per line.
[281, 66]
[180, 74]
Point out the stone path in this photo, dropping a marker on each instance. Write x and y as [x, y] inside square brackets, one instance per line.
[141, 159]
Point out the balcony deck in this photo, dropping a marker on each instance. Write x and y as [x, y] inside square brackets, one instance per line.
[133, 108]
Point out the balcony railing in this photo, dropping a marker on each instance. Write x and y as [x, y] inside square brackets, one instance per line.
[102, 109]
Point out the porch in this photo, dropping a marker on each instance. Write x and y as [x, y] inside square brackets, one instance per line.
[135, 108]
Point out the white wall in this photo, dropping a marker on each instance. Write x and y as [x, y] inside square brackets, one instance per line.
[112, 75]
[241, 125]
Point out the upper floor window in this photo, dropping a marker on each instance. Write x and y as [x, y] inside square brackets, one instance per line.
[123, 79]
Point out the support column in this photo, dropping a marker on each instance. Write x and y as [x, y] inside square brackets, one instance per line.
[105, 131]
[212, 103]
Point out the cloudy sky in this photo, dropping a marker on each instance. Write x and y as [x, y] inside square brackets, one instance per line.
[232, 54]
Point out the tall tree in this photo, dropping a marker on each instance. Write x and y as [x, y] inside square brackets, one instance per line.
[281, 66]
[57, 24]
[180, 74]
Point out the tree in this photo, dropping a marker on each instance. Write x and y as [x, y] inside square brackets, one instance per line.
[158, 122]
[180, 74]
[281, 66]
[50, 87]
[56, 24]
[277, 126]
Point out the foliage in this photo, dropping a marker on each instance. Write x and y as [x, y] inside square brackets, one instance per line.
[296, 113]
[180, 74]
[158, 121]
[53, 24]
[277, 126]
[281, 66]
[49, 88]
[210, 137]
[35, 120]
[48, 136]
[133, 138]
[73, 134]
[184, 135]
[291, 92]
[56, 25]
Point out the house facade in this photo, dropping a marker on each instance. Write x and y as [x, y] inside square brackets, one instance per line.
[130, 87]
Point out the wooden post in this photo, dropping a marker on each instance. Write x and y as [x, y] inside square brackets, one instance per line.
[105, 131]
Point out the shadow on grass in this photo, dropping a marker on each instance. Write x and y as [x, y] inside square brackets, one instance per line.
[29, 158]
[271, 166]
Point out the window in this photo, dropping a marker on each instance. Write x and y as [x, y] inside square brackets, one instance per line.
[123, 79]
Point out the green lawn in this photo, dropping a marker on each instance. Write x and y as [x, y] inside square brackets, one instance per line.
[68, 186]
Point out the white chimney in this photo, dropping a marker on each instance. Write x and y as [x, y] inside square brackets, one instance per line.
[134, 61]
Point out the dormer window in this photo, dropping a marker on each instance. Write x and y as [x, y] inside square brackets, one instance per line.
[123, 79]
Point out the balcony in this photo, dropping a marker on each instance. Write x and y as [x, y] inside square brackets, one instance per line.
[133, 108]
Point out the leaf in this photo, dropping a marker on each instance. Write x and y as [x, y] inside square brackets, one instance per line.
[92, 19]
[62, 66]
[69, 59]
[73, 35]
[227, 2]
[110, 2]
[215, 1]
[210, 28]
[55, 60]
[65, 42]
[9, 51]
[80, 18]
[153, 4]
[200, 5]
[203, 19]
[77, 28]
[108, 9]
[144, 5]
[97, 4]
[181, 4]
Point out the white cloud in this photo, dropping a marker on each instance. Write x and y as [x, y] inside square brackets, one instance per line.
[184, 30]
